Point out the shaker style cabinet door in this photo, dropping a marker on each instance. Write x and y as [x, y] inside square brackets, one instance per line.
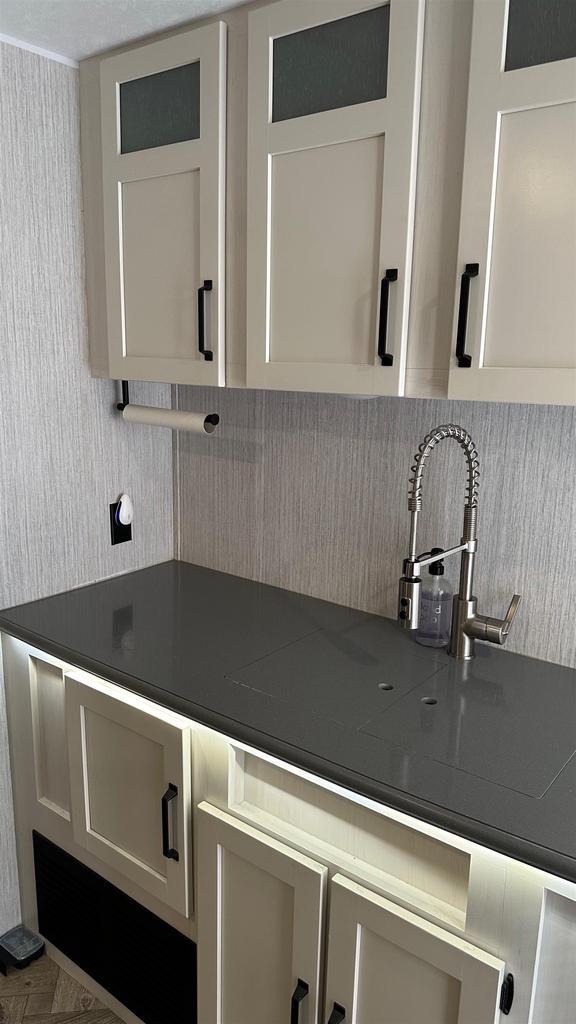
[554, 992]
[49, 740]
[260, 920]
[130, 780]
[386, 964]
[163, 141]
[515, 317]
[333, 103]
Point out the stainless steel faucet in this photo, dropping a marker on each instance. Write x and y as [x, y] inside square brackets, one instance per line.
[467, 625]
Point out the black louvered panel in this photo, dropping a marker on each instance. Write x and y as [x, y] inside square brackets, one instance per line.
[142, 961]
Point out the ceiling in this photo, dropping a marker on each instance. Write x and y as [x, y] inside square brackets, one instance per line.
[80, 28]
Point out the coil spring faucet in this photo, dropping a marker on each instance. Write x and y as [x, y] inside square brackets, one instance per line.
[467, 625]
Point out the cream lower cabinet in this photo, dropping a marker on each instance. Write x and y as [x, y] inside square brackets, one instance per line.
[130, 786]
[49, 741]
[554, 994]
[388, 966]
[260, 926]
[262, 955]
[314, 905]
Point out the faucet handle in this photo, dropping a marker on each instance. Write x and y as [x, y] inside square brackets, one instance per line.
[510, 615]
[495, 631]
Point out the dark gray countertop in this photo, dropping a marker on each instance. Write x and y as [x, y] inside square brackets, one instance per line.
[485, 750]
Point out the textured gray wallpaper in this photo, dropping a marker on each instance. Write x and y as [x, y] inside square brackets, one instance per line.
[65, 454]
[309, 492]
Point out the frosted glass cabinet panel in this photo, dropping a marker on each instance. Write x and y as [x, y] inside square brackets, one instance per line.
[163, 125]
[332, 127]
[337, 64]
[160, 109]
[515, 320]
[539, 31]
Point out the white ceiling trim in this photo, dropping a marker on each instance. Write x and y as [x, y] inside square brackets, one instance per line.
[22, 45]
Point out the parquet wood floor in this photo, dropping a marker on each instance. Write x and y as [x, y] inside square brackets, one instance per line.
[44, 994]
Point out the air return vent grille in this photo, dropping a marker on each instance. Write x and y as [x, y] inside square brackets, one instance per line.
[142, 961]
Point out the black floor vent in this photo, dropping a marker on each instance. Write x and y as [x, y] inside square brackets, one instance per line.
[142, 961]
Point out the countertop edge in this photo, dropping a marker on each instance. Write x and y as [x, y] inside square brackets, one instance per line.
[539, 857]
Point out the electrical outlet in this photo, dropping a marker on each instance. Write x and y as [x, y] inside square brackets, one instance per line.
[119, 532]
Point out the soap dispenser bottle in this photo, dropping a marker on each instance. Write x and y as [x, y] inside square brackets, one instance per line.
[435, 606]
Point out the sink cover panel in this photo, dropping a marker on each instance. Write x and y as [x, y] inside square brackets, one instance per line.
[346, 676]
[473, 718]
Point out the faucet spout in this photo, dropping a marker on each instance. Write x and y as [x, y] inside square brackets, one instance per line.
[425, 451]
[462, 437]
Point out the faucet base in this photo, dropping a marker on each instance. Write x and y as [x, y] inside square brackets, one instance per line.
[462, 657]
[462, 645]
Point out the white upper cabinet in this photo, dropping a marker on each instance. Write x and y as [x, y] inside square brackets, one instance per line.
[515, 318]
[386, 964]
[333, 103]
[163, 140]
[321, 237]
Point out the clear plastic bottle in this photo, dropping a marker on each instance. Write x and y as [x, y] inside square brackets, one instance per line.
[435, 607]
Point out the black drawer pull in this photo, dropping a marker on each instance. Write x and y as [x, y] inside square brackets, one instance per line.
[208, 355]
[338, 1014]
[470, 271]
[168, 851]
[300, 993]
[386, 358]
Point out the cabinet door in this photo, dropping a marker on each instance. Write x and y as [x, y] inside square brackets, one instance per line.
[333, 97]
[260, 920]
[517, 253]
[49, 741]
[554, 993]
[163, 131]
[388, 965]
[130, 778]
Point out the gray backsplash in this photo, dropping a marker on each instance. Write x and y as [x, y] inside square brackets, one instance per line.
[309, 492]
[65, 452]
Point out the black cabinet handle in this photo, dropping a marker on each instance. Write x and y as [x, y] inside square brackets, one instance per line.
[338, 1014]
[470, 271]
[507, 994]
[300, 993]
[208, 355]
[386, 358]
[168, 851]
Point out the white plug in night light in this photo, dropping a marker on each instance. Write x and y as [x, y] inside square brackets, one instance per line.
[125, 510]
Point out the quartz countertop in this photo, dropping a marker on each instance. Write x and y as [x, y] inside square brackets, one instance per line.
[483, 749]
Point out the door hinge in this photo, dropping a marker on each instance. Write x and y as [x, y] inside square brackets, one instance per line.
[507, 994]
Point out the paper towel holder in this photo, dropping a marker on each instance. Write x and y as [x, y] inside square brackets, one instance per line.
[173, 419]
[125, 396]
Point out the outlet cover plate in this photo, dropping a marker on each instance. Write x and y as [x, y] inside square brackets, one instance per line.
[119, 533]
